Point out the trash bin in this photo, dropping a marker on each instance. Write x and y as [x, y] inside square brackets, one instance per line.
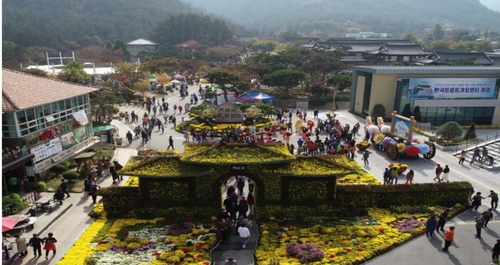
[118, 141]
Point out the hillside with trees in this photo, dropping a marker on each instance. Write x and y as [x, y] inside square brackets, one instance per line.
[70, 24]
[333, 16]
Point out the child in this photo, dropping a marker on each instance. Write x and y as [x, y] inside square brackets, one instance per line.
[162, 129]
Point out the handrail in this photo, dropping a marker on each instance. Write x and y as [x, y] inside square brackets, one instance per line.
[478, 141]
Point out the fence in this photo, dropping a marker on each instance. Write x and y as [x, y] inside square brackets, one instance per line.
[484, 139]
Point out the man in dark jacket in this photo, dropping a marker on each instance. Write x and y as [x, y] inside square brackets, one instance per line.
[443, 217]
[36, 243]
[243, 208]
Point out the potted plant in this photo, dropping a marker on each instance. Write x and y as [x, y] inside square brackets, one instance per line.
[363, 145]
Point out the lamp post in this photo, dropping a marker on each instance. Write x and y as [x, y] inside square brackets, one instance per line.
[334, 96]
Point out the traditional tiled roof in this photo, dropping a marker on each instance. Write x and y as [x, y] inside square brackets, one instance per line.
[440, 56]
[22, 91]
[142, 42]
[401, 50]
[189, 44]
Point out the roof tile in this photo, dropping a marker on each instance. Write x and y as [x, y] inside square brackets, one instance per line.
[22, 91]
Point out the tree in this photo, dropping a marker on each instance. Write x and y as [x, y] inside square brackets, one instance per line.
[38, 72]
[121, 45]
[483, 46]
[14, 55]
[262, 45]
[74, 72]
[103, 106]
[417, 114]
[460, 47]
[340, 81]
[438, 32]
[440, 44]
[378, 111]
[224, 80]
[284, 79]
[407, 111]
[471, 132]
[450, 130]
[163, 79]
[142, 86]
[317, 89]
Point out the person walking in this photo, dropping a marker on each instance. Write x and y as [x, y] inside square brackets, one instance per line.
[394, 175]
[224, 229]
[487, 216]
[365, 157]
[495, 252]
[50, 244]
[36, 243]
[438, 171]
[244, 235]
[64, 187]
[494, 199]
[93, 192]
[22, 249]
[479, 225]
[430, 226]
[475, 156]
[170, 143]
[476, 200]
[129, 137]
[387, 177]
[443, 217]
[409, 176]
[461, 158]
[448, 238]
[446, 173]
[484, 152]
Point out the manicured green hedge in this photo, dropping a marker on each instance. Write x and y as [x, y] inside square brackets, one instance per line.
[445, 194]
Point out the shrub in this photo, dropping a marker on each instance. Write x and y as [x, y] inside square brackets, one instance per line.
[14, 202]
[40, 186]
[471, 132]
[407, 111]
[378, 111]
[70, 175]
[450, 130]
[317, 101]
[417, 114]
[59, 168]
[65, 164]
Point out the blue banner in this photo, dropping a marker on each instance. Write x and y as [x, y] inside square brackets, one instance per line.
[451, 88]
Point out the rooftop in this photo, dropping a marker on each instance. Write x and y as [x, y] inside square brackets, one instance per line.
[22, 91]
[142, 42]
[481, 57]
[429, 69]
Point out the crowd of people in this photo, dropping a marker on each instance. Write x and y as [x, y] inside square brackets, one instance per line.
[48, 242]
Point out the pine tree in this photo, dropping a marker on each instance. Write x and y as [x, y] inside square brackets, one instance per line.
[471, 132]
[417, 114]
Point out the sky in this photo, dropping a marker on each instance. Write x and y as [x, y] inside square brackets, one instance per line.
[491, 4]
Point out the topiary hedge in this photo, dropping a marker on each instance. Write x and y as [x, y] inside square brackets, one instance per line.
[445, 194]
[70, 175]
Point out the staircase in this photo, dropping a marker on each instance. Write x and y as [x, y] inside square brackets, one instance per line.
[493, 146]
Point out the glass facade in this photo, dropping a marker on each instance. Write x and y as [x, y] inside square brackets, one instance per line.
[368, 92]
[440, 115]
[24, 122]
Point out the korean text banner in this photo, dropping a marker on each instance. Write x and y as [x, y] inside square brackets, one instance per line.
[451, 88]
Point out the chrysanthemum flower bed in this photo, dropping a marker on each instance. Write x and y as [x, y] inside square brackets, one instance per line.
[341, 242]
[134, 241]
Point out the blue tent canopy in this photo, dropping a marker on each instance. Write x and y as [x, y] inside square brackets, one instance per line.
[257, 95]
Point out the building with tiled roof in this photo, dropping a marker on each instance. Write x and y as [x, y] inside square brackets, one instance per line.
[441, 57]
[140, 45]
[44, 122]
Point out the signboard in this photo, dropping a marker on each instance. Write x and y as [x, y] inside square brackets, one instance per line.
[68, 140]
[81, 117]
[239, 168]
[80, 134]
[402, 127]
[47, 149]
[228, 112]
[453, 88]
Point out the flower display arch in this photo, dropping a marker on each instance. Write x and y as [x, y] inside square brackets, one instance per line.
[170, 184]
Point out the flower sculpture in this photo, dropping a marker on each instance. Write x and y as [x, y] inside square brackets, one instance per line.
[424, 149]
[378, 138]
[412, 151]
[363, 145]
[401, 147]
[387, 140]
[305, 252]
[401, 167]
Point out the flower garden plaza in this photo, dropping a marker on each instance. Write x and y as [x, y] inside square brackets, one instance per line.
[317, 208]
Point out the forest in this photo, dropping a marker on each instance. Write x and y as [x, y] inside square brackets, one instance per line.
[324, 17]
[70, 24]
